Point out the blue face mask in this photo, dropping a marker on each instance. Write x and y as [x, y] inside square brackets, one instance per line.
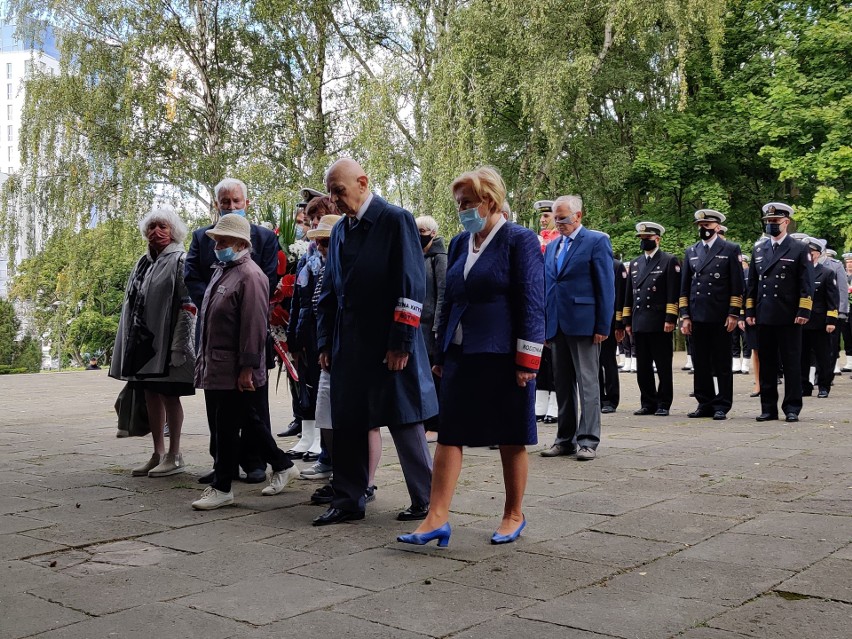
[472, 221]
[300, 232]
[240, 212]
[225, 254]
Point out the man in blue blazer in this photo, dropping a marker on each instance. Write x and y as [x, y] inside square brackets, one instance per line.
[579, 297]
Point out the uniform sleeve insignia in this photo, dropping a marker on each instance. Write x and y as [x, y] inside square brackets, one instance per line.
[677, 268]
[808, 255]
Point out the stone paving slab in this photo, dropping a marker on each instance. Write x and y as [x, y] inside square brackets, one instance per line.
[830, 578]
[24, 615]
[678, 529]
[433, 607]
[121, 589]
[624, 613]
[261, 601]
[149, 620]
[774, 617]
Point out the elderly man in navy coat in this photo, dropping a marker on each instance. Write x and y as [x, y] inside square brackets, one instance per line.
[370, 340]
[232, 199]
[580, 297]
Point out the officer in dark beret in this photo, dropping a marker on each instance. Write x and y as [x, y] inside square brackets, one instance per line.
[779, 300]
[649, 316]
[711, 296]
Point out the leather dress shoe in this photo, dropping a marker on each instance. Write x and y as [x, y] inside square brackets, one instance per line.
[549, 420]
[766, 417]
[294, 454]
[662, 412]
[719, 415]
[755, 394]
[256, 476]
[337, 516]
[606, 410]
[643, 411]
[557, 450]
[293, 429]
[698, 412]
[323, 495]
[823, 393]
[539, 418]
[310, 457]
[413, 513]
[791, 417]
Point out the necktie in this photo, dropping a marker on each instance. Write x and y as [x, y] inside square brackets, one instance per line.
[706, 249]
[774, 246]
[563, 251]
[353, 222]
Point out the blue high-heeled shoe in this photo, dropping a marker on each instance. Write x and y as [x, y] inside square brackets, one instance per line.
[442, 534]
[497, 538]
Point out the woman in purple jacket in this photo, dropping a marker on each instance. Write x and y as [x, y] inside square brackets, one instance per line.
[490, 337]
[231, 360]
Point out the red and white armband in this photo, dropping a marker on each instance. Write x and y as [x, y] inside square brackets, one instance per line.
[528, 354]
[408, 312]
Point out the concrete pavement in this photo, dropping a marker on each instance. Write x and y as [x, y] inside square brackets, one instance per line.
[681, 528]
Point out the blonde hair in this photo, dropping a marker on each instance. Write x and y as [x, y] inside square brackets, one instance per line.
[485, 181]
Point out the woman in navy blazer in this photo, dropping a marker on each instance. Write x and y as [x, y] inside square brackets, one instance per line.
[490, 337]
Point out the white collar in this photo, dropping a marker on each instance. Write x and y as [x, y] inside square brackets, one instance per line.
[710, 242]
[573, 235]
[364, 207]
[497, 226]
[652, 254]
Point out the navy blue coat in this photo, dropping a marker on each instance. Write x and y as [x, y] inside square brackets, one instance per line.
[200, 260]
[580, 296]
[711, 284]
[780, 283]
[651, 294]
[371, 301]
[501, 303]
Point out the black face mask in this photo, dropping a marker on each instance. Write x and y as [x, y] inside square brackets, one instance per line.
[648, 244]
[706, 234]
[424, 240]
[773, 229]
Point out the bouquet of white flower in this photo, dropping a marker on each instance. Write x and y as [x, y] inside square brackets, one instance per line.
[297, 250]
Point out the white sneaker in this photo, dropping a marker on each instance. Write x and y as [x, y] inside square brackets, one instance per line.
[212, 499]
[317, 471]
[171, 465]
[279, 480]
[837, 369]
[142, 471]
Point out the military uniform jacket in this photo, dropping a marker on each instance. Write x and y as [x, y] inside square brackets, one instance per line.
[620, 284]
[780, 283]
[840, 277]
[711, 284]
[825, 299]
[651, 294]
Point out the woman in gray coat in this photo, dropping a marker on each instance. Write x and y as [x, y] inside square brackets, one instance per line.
[232, 361]
[154, 347]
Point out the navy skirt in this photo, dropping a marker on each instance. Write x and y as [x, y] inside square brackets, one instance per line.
[482, 404]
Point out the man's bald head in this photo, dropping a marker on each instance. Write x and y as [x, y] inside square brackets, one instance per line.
[347, 185]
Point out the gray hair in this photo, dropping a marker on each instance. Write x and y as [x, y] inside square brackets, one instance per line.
[426, 222]
[229, 184]
[573, 202]
[165, 214]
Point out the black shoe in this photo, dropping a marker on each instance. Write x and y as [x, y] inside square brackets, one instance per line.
[698, 412]
[719, 415]
[539, 418]
[337, 516]
[757, 394]
[310, 457]
[323, 495]
[294, 454]
[413, 513]
[809, 393]
[643, 411]
[293, 429]
[791, 417]
[255, 476]
[606, 410]
[662, 412]
[766, 417]
[549, 420]
[208, 478]
[370, 494]
[692, 394]
[823, 393]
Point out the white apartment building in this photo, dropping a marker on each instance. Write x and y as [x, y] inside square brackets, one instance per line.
[16, 60]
